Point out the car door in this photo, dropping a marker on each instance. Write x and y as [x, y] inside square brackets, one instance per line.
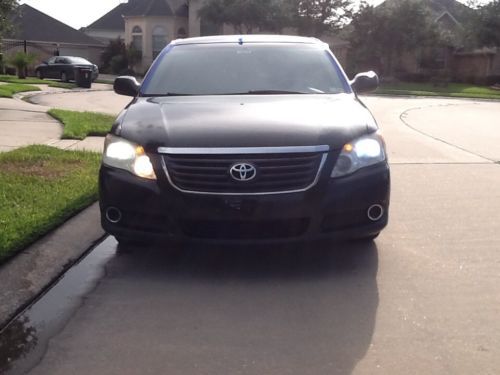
[49, 69]
[59, 67]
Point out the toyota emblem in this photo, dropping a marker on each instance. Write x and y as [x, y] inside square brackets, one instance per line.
[243, 172]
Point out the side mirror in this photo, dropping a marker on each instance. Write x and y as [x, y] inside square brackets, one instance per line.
[127, 86]
[365, 82]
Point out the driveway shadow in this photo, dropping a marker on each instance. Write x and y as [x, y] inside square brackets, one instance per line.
[259, 310]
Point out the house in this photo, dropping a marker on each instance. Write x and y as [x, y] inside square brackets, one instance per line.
[44, 36]
[150, 25]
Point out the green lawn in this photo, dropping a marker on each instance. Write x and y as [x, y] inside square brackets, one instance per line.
[36, 81]
[78, 125]
[428, 89]
[8, 90]
[41, 187]
[61, 85]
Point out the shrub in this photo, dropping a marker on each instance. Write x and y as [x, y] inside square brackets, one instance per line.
[21, 61]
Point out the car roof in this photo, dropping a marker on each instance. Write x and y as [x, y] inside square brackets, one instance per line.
[71, 57]
[255, 38]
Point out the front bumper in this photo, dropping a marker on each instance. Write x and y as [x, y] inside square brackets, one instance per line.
[334, 209]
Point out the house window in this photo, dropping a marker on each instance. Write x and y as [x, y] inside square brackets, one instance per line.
[137, 38]
[159, 40]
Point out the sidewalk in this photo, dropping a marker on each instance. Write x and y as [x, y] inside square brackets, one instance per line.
[23, 124]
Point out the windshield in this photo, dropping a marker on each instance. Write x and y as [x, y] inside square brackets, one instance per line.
[245, 69]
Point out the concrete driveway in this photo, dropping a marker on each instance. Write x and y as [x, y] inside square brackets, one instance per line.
[102, 100]
[423, 299]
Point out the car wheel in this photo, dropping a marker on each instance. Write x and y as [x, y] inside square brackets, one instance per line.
[64, 77]
[39, 74]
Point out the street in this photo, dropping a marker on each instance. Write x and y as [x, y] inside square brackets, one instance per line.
[424, 298]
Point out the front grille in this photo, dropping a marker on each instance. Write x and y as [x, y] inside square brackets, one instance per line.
[210, 173]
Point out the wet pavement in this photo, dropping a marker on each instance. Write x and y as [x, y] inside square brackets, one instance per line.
[23, 342]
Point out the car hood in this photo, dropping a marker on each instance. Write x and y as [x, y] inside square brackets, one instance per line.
[245, 121]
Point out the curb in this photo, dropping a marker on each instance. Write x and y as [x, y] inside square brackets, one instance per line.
[27, 275]
[26, 96]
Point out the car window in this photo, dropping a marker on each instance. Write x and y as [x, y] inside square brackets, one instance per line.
[233, 69]
[60, 60]
[78, 60]
[52, 60]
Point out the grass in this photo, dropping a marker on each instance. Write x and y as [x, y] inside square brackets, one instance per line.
[36, 81]
[8, 90]
[428, 89]
[61, 85]
[78, 125]
[41, 187]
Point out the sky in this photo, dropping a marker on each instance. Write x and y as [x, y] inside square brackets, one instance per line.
[78, 13]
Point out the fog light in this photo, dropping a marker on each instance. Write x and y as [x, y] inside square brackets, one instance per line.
[114, 215]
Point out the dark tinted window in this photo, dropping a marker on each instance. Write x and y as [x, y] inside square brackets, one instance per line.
[230, 69]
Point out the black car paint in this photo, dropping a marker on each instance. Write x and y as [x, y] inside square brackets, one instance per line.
[332, 208]
[245, 121]
[60, 65]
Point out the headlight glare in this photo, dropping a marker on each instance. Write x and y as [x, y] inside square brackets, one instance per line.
[120, 150]
[144, 168]
[368, 148]
[362, 152]
[123, 154]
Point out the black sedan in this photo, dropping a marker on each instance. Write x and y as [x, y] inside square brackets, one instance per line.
[253, 138]
[63, 68]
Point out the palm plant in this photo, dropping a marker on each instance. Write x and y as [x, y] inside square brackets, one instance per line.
[21, 61]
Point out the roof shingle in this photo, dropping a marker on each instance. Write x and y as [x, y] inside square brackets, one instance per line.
[31, 24]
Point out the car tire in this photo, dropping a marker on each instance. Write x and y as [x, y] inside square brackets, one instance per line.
[39, 74]
[64, 77]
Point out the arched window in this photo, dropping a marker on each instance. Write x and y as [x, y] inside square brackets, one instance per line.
[137, 38]
[181, 33]
[159, 40]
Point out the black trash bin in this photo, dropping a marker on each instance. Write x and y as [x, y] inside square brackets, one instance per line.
[83, 77]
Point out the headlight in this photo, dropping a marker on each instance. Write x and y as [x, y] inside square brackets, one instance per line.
[123, 154]
[362, 152]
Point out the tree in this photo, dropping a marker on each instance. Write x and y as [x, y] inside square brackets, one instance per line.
[245, 15]
[380, 36]
[310, 17]
[6, 8]
[315, 17]
[486, 24]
